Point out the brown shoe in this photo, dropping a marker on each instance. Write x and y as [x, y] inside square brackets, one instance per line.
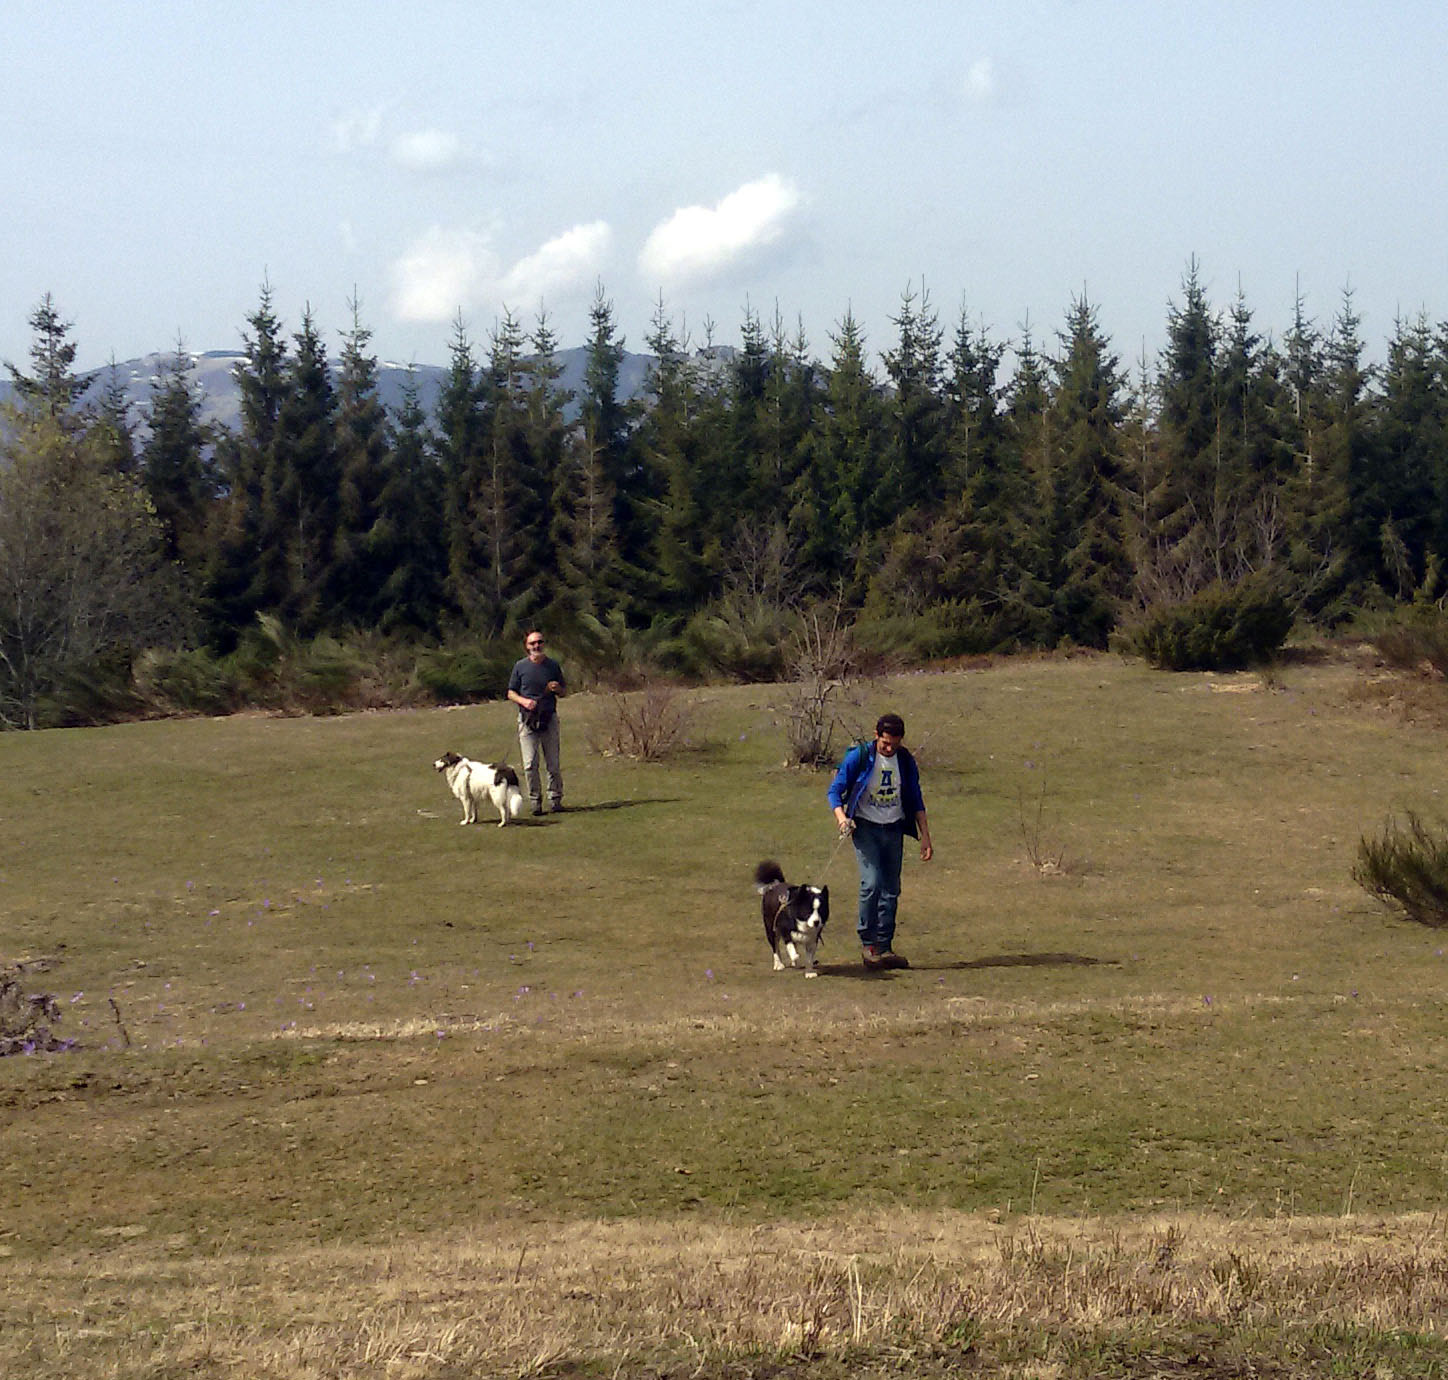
[872, 957]
[888, 958]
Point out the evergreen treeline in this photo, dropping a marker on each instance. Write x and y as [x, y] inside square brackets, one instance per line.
[951, 505]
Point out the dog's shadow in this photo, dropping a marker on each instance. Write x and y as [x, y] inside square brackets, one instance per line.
[1044, 960]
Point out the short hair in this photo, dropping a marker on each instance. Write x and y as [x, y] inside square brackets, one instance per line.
[892, 724]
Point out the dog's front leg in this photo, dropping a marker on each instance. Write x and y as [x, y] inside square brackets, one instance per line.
[778, 959]
[793, 954]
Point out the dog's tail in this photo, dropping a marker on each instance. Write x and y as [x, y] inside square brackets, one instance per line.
[768, 874]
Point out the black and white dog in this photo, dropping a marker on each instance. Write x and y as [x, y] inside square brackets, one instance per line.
[474, 782]
[794, 917]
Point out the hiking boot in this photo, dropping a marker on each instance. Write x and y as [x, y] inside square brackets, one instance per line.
[872, 956]
[888, 958]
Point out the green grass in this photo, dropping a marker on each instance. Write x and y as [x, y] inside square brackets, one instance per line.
[313, 1010]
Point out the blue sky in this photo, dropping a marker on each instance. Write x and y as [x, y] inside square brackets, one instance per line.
[160, 158]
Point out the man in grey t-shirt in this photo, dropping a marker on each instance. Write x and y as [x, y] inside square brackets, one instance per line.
[534, 686]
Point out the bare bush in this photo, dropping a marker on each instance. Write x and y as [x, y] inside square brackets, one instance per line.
[27, 1019]
[647, 725]
[824, 664]
[1045, 852]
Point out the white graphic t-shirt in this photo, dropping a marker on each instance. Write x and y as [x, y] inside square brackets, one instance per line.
[880, 803]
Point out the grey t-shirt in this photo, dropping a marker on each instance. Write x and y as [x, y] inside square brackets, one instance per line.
[530, 679]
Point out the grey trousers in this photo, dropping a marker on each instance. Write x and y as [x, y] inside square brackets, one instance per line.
[545, 744]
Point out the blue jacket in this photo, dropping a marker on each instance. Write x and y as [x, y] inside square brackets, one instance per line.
[854, 775]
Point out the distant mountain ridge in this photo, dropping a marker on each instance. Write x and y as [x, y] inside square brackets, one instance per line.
[221, 398]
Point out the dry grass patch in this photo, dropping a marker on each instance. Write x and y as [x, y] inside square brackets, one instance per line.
[557, 1297]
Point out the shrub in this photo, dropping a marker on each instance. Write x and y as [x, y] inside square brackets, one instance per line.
[647, 725]
[462, 675]
[736, 638]
[186, 682]
[1221, 628]
[98, 690]
[1414, 637]
[1406, 868]
[611, 652]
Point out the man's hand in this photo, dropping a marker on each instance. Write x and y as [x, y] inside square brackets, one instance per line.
[927, 851]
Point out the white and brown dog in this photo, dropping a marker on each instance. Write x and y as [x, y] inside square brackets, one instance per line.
[474, 782]
[794, 917]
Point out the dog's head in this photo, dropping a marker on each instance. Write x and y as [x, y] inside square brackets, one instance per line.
[807, 907]
[448, 759]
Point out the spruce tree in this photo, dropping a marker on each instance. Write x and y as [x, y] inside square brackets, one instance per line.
[1252, 453]
[405, 543]
[300, 491]
[175, 462]
[685, 547]
[236, 581]
[604, 441]
[52, 386]
[112, 431]
[1091, 565]
[1183, 506]
[839, 506]
[508, 504]
[364, 550]
[1395, 487]
[793, 396]
[460, 441]
[915, 453]
[996, 579]
[1321, 432]
[546, 433]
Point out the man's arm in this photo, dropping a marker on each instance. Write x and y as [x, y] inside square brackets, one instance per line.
[927, 849]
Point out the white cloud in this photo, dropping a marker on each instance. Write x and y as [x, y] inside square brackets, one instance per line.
[699, 242]
[567, 261]
[979, 84]
[356, 129]
[427, 150]
[441, 272]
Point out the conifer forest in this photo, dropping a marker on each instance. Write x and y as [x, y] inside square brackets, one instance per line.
[973, 494]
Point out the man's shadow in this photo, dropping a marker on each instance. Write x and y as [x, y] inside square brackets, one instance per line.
[601, 805]
[1045, 960]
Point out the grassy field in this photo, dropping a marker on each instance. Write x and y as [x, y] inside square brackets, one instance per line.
[361, 1092]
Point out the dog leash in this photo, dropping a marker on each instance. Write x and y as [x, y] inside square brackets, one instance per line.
[834, 853]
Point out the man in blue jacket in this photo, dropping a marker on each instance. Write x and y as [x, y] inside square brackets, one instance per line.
[876, 798]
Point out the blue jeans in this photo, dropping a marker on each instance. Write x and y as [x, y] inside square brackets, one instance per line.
[880, 850]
